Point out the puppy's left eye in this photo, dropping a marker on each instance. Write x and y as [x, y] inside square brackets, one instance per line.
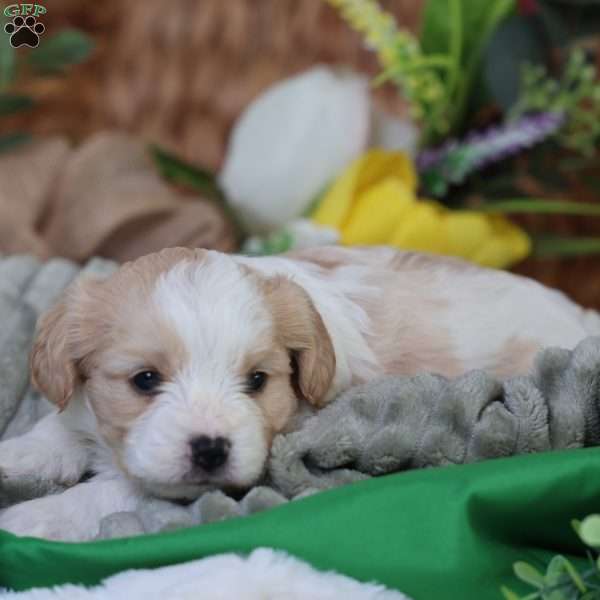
[146, 382]
[256, 381]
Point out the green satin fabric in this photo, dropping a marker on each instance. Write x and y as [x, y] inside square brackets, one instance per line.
[450, 532]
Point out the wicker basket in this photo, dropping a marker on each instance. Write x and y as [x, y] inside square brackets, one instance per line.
[179, 73]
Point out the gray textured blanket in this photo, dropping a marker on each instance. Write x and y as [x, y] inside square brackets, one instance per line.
[388, 425]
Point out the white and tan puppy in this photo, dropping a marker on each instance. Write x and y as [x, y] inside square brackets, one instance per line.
[174, 374]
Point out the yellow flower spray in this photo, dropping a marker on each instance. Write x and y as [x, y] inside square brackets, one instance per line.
[403, 62]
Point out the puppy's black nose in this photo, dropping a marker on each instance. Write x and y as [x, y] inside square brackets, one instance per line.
[209, 453]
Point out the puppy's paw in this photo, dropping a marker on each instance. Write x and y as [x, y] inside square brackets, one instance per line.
[50, 518]
[30, 468]
[72, 515]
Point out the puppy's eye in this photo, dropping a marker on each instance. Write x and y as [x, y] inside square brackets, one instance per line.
[256, 381]
[146, 382]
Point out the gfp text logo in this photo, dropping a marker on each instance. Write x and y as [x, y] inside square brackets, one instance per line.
[24, 29]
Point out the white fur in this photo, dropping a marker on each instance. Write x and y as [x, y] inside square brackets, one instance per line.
[74, 514]
[489, 308]
[59, 449]
[52, 450]
[263, 574]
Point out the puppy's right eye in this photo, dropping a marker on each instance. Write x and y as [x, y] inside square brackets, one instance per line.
[146, 382]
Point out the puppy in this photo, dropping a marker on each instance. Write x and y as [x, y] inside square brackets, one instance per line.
[173, 375]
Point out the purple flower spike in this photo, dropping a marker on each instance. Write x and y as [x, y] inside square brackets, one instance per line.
[453, 161]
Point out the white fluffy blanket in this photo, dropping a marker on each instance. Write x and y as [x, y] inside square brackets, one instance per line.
[265, 574]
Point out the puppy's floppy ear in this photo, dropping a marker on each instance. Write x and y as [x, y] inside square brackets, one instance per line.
[52, 371]
[302, 331]
[54, 358]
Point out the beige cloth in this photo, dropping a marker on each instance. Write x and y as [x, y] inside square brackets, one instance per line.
[102, 198]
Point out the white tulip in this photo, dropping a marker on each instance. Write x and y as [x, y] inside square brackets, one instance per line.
[291, 142]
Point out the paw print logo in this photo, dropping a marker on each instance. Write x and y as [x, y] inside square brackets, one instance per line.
[24, 32]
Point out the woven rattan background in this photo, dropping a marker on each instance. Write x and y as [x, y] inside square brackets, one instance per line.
[179, 72]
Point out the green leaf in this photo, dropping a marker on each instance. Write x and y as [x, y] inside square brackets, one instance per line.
[516, 41]
[555, 569]
[579, 584]
[555, 579]
[474, 21]
[434, 183]
[556, 246]
[436, 34]
[11, 140]
[525, 572]
[64, 49]
[7, 60]
[541, 206]
[589, 531]
[179, 171]
[201, 180]
[278, 242]
[11, 103]
[508, 594]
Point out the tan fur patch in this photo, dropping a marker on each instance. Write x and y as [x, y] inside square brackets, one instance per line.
[402, 337]
[426, 262]
[52, 370]
[277, 400]
[86, 321]
[328, 258]
[515, 357]
[301, 330]
[150, 344]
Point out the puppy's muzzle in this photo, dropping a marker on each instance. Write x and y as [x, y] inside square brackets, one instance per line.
[209, 453]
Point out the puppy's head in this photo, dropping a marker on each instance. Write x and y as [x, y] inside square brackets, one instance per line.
[190, 363]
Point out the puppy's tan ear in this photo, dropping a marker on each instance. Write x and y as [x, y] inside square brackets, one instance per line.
[53, 371]
[61, 342]
[302, 331]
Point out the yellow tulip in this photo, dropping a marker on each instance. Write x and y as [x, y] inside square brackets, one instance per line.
[374, 202]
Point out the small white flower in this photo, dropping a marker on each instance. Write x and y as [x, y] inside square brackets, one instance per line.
[307, 234]
[291, 142]
[296, 235]
[393, 133]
